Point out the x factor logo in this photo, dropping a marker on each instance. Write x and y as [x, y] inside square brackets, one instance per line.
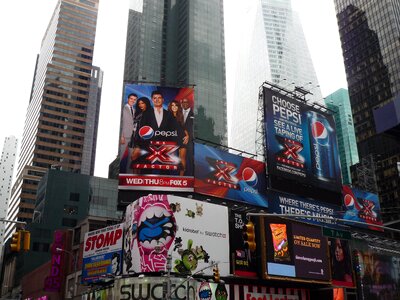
[290, 152]
[223, 173]
[162, 152]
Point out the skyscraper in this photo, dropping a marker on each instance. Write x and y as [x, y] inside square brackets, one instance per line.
[178, 43]
[61, 124]
[7, 163]
[287, 57]
[339, 103]
[369, 34]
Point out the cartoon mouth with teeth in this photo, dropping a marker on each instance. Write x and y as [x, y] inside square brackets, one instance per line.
[156, 228]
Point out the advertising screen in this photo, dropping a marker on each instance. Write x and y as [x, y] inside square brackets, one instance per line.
[295, 250]
[102, 253]
[341, 266]
[301, 142]
[378, 275]
[245, 262]
[156, 138]
[193, 232]
[283, 203]
[362, 206]
[224, 175]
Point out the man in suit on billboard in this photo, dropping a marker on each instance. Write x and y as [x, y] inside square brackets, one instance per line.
[188, 118]
[127, 128]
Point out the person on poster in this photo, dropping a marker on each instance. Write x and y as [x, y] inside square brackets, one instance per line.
[127, 128]
[116, 264]
[176, 111]
[341, 261]
[188, 119]
[162, 121]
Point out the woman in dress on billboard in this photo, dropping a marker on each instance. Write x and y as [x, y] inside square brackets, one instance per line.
[142, 108]
[177, 112]
[341, 261]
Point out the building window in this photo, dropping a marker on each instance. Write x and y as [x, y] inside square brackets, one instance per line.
[68, 222]
[74, 197]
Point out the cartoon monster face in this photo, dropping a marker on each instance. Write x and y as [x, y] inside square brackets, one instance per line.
[156, 226]
[205, 292]
[189, 260]
[220, 292]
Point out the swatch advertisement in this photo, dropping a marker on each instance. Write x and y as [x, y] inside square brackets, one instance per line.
[102, 254]
[156, 138]
[295, 250]
[245, 261]
[283, 203]
[362, 206]
[301, 142]
[224, 175]
[195, 233]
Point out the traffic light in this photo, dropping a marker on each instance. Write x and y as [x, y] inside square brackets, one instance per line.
[16, 241]
[27, 240]
[216, 274]
[249, 236]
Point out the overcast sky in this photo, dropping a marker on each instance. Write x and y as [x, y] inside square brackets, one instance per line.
[23, 24]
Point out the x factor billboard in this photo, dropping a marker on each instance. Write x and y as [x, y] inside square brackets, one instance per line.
[228, 176]
[294, 250]
[102, 253]
[362, 207]
[156, 138]
[301, 142]
[193, 232]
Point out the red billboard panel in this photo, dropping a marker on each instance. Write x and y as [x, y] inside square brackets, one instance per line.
[156, 138]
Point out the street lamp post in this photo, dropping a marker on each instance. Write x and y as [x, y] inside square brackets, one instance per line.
[74, 262]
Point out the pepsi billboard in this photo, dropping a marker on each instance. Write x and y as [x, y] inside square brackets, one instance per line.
[156, 138]
[361, 206]
[283, 203]
[301, 142]
[228, 176]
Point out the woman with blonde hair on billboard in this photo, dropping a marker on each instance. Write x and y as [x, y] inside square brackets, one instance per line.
[177, 112]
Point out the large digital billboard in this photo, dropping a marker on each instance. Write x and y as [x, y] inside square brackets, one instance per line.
[228, 176]
[102, 253]
[295, 250]
[156, 138]
[193, 232]
[301, 142]
[362, 206]
[378, 274]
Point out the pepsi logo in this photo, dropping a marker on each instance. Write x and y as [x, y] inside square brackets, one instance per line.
[146, 132]
[249, 176]
[349, 201]
[319, 132]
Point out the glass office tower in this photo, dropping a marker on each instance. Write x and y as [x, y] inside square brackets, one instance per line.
[280, 55]
[369, 34]
[61, 123]
[339, 103]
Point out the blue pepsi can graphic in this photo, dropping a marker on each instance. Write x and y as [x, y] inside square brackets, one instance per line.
[322, 145]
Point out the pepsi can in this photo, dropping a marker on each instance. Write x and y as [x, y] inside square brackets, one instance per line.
[322, 146]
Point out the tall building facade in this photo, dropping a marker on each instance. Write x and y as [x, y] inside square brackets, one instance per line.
[63, 111]
[339, 103]
[278, 30]
[7, 164]
[181, 43]
[369, 34]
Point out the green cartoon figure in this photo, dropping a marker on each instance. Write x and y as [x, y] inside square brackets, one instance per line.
[190, 258]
